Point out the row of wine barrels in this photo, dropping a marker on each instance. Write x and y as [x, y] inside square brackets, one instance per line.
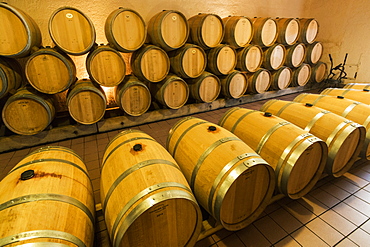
[352, 110]
[297, 156]
[343, 137]
[47, 200]
[353, 94]
[10, 76]
[126, 30]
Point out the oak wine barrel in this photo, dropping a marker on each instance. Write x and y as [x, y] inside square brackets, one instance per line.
[150, 63]
[188, 61]
[234, 85]
[265, 31]
[288, 30]
[249, 58]
[313, 52]
[19, 32]
[353, 94]
[105, 66]
[357, 85]
[309, 30]
[159, 195]
[318, 72]
[51, 201]
[259, 81]
[168, 29]
[86, 102]
[274, 57]
[205, 88]
[172, 92]
[28, 112]
[301, 75]
[295, 55]
[238, 31]
[206, 30]
[297, 156]
[10, 76]
[281, 78]
[72, 31]
[125, 30]
[343, 137]
[133, 96]
[352, 110]
[50, 70]
[228, 178]
[221, 60]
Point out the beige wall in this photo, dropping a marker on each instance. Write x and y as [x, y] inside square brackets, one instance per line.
[344, 28]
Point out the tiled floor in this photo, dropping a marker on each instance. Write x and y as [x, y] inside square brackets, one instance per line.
[335, 213]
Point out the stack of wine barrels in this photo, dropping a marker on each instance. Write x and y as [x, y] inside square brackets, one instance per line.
[174, 59]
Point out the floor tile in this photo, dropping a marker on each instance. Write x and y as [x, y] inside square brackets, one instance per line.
[285, 220]
[231, 241]
[358, 204]
[299, 212]
[206, 242]
[362, 174]
[306, 237]
[324, 197]
[364, 195]
[356, 180]
[312, 204]
[360, 237]
[287, 242]
[366, 226]
[346, 185]
[221, 235]
[350, 213]
[346, 243]
[325, 231]
[272, 231]
[335, 191]
[250, 236]
[338, 222]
